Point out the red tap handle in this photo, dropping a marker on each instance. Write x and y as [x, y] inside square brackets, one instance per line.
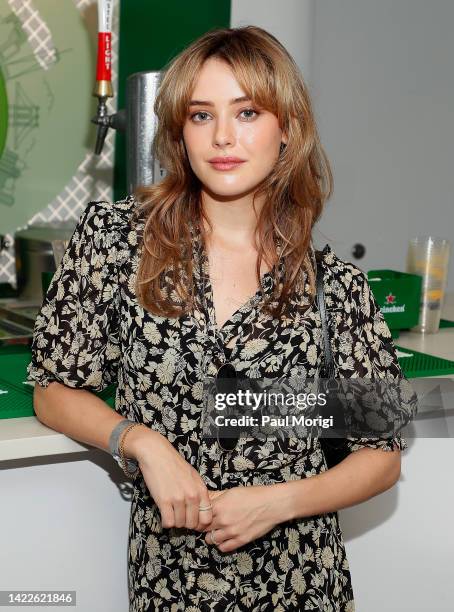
[104, 65]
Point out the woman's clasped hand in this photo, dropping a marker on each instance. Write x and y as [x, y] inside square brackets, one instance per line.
[236, 516]
[242, 514]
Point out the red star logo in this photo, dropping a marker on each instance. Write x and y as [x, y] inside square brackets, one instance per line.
[390, 298]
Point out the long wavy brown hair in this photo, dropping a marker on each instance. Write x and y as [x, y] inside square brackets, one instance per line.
[294, 192]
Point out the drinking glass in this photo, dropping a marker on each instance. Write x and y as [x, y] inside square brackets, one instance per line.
[428, 256]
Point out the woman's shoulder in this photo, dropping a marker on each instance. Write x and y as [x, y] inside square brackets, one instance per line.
[344, 281]
[118, 213]
[113, 218]
[125, 208]
[336, 265]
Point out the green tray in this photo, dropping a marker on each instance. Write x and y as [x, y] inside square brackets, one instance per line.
[14, 403]
[16, 394]
[422, 364]
[446, 323]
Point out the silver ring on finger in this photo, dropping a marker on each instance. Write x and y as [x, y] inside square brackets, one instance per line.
[202, 508]
[212, 536]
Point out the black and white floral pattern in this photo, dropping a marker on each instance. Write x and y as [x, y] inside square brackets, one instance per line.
[92, 332]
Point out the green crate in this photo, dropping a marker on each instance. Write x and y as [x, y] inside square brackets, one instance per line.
[399, 295]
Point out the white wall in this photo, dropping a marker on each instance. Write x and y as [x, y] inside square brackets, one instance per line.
[290, 21]
[381, 79]
[384, 95]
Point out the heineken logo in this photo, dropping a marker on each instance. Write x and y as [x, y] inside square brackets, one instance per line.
[390, 304]
[390, 298]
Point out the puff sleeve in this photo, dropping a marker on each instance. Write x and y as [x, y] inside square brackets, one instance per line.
[364, 348]
[76, 333]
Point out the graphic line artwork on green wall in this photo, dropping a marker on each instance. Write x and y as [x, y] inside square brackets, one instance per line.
[46, 82]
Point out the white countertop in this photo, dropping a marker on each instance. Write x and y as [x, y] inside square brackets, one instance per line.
[27, 437]
[440, 344]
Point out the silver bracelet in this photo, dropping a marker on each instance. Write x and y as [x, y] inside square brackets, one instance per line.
[132, 464]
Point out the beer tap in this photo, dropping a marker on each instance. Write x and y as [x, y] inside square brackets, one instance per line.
[137, 120]
[103, 87]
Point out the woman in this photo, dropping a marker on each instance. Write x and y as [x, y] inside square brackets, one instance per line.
[214, 264]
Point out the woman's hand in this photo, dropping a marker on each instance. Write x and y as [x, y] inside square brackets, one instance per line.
[242, 514]
[176, 487]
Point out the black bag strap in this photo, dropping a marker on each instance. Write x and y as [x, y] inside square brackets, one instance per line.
[328, 356]
[334, 449]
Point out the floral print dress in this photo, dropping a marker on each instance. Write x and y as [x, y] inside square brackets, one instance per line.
[91, 332]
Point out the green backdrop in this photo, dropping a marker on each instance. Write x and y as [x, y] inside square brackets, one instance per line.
[152, 33]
